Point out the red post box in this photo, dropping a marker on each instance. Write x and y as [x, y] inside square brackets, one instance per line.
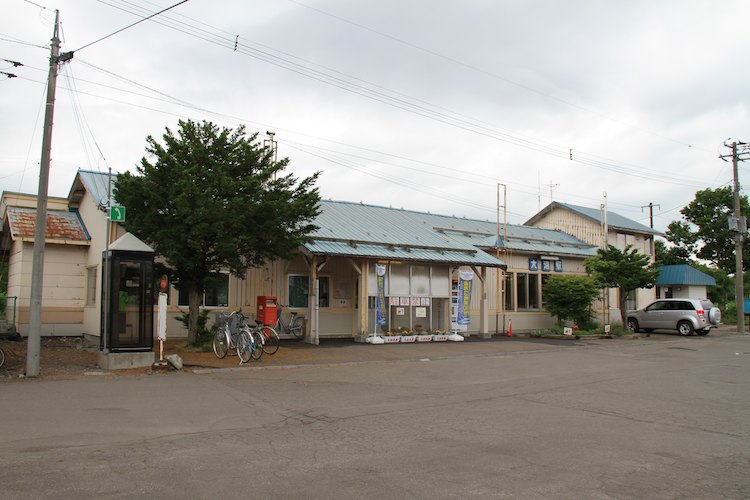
[266, 310]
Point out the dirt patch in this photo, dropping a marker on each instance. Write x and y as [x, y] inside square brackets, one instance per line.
[63, 358]
[59, 357]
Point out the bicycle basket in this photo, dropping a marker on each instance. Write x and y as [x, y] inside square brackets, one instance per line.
[221, 320]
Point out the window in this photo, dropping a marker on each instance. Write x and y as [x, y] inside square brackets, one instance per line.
[91, 286]
[509, 292]
[630, 301]
[527, 291]
[545, 278]
[420, 280]
[324, 292]
[216, 293]
[299, 291]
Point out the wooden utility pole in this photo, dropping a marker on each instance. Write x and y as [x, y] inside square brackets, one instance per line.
[40, 229]
[650, 207]
[738, 224]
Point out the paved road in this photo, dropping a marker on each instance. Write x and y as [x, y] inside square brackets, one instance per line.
[664, 418]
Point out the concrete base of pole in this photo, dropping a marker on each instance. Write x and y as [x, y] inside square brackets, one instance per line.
[125, 360]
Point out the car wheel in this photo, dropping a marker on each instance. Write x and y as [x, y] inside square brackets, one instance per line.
[685, 328]
[633, 325]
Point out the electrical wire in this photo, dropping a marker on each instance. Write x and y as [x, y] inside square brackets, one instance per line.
[386, 96]
[130, 25]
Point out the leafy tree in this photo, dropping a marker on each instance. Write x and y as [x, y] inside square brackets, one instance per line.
[625, 269]
[570, 298]
[671, 255]
[211, 199]
[704, 233]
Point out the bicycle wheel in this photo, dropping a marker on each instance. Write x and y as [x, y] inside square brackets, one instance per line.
[296, 327]
[244, 346]
[220, 344]
[2, 357]
[257, 345]
[270, 340]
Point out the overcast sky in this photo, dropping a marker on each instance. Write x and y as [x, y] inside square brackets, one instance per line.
[425, 105]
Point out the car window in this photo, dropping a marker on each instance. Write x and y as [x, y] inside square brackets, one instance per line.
[656, 306]
[707, 304]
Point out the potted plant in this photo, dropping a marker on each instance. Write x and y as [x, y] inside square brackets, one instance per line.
[392, 337]
[439, 336]
[407, 335]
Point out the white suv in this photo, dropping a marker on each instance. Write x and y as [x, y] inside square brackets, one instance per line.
[687, 316]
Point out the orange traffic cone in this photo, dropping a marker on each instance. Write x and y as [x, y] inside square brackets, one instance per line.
[509, 333]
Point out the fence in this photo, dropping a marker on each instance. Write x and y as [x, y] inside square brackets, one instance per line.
[8, 316]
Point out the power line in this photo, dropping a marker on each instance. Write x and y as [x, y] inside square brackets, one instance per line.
[390, 97]
[130, 25]
[479, 70]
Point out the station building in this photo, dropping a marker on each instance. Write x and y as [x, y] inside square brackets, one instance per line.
[368, 270]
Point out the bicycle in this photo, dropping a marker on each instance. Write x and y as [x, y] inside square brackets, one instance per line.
[249, 344]
[269, 339]
[295, 326]
[227, 335]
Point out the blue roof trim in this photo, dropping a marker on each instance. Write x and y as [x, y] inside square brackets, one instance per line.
[683, 274]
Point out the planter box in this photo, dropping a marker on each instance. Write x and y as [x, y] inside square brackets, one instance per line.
[392, 339]
[424, 338]
[408, 338]
[439, 338]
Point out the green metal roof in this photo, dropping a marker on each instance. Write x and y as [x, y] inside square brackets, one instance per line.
[356, 229]
[683, 274]
[614, 220]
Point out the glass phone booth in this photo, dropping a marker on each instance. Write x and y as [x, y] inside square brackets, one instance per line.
[127, 301]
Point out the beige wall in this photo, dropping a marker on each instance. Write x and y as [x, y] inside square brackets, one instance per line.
[63, 287]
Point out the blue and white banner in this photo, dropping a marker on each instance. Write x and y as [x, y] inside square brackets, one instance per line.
[464, 297]
[380, 318]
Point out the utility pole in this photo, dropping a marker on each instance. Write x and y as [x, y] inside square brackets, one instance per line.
[40, 229]
[738, 224]
[650, 213]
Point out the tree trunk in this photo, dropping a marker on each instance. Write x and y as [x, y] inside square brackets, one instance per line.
[624, 306]
[194, 303]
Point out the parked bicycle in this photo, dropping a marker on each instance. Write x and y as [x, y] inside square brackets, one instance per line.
[228, 333]
[295, 325]
[249, 343]
[269, 338]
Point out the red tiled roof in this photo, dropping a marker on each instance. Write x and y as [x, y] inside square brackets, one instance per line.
[61, 225]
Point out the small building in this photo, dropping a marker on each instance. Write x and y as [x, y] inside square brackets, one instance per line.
[682, 281]
[601, 227]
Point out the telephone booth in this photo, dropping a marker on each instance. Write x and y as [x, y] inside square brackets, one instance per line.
[127, 296]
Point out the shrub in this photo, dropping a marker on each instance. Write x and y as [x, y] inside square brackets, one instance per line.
[205, 334]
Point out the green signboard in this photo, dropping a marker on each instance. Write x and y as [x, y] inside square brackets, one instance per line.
[117, 213]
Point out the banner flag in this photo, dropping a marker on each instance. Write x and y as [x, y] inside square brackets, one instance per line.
[380, 318]
[464, 297]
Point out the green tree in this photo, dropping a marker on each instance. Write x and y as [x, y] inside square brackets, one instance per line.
[570, 298]
[704, 232]
[671, 255]
[625, 269]
[211, 199]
